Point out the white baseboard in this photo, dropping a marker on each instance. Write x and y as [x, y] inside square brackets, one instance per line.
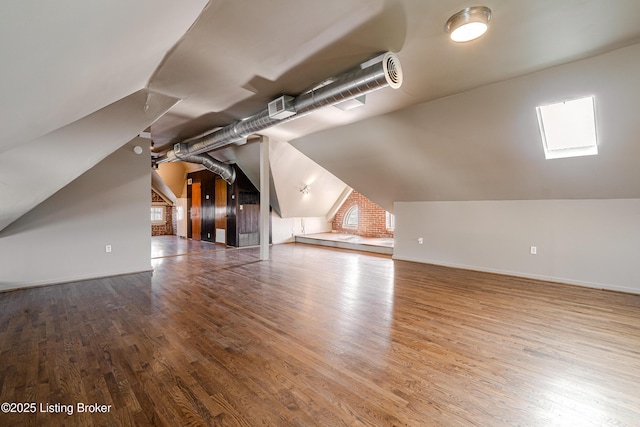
[58, 281]
[563, 280]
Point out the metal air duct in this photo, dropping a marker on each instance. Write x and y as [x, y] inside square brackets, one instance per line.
[226, 172]
[373, 76]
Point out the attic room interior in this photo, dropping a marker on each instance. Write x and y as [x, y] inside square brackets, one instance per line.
[209, 210]
[503, 171]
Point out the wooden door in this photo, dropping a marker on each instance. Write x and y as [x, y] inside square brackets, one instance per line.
[220, 213]
[196, 210]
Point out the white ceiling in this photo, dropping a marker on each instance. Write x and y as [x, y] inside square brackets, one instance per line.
[238, 57]
[73, 87]
[33, 171]
[484, 144]
[225, 59]
[291, 171]
[64, 60]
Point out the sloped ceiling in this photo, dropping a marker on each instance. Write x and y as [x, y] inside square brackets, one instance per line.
[237, 57]
[225, 59]
[159, 186]
[460, 127]
[247, 157]
[291, 171]
[73, 84]
[484, 144]
[33, 171]
[63, 60]
[241, 55]
[173, 175]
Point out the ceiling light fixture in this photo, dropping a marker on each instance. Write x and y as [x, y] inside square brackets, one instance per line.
[469, 23]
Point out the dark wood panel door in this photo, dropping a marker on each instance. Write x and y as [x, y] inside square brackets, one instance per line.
[196, 210]
[221, 209]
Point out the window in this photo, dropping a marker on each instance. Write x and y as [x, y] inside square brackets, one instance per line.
[351, 217]
[157, 214]
[568, 129]
[391, 221]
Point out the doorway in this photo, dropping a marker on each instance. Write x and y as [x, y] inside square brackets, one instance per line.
[220, 211]
[196, 210]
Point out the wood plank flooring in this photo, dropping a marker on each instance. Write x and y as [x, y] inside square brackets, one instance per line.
[320, 337]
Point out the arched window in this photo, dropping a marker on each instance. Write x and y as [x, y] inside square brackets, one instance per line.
[351, 217]
[390, 221]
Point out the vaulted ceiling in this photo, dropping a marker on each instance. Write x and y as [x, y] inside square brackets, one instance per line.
[79, 79]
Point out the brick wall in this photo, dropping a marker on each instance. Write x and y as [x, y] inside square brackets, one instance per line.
[167, 227]
[372, 220]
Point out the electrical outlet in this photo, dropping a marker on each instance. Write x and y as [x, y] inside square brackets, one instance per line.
[533, 250]
[107, 248]
[420, 240]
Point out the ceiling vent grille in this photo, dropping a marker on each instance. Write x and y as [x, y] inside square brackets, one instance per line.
[281, 108]
[393, 71]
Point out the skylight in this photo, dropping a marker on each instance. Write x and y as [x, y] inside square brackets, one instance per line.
[568, 129]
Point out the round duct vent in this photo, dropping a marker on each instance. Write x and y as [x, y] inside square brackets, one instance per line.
[392, 70]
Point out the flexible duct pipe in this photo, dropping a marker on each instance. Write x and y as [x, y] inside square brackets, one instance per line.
[226, 172]
[347, 86]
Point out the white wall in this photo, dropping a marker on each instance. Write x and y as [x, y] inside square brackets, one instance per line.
[283, 230]
[64, 238]
[291, 170]
[484, 144]
[593, 243]
[182, 216]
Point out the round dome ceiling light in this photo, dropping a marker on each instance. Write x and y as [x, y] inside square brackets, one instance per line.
[469, 23]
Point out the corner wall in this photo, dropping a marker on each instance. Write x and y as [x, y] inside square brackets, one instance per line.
[64, 238]
[594, 243]
[284, 230]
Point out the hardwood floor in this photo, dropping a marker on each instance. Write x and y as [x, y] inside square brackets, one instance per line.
[319, 336]
[167, 246]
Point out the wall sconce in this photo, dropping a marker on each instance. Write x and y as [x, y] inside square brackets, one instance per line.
[305, 190]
